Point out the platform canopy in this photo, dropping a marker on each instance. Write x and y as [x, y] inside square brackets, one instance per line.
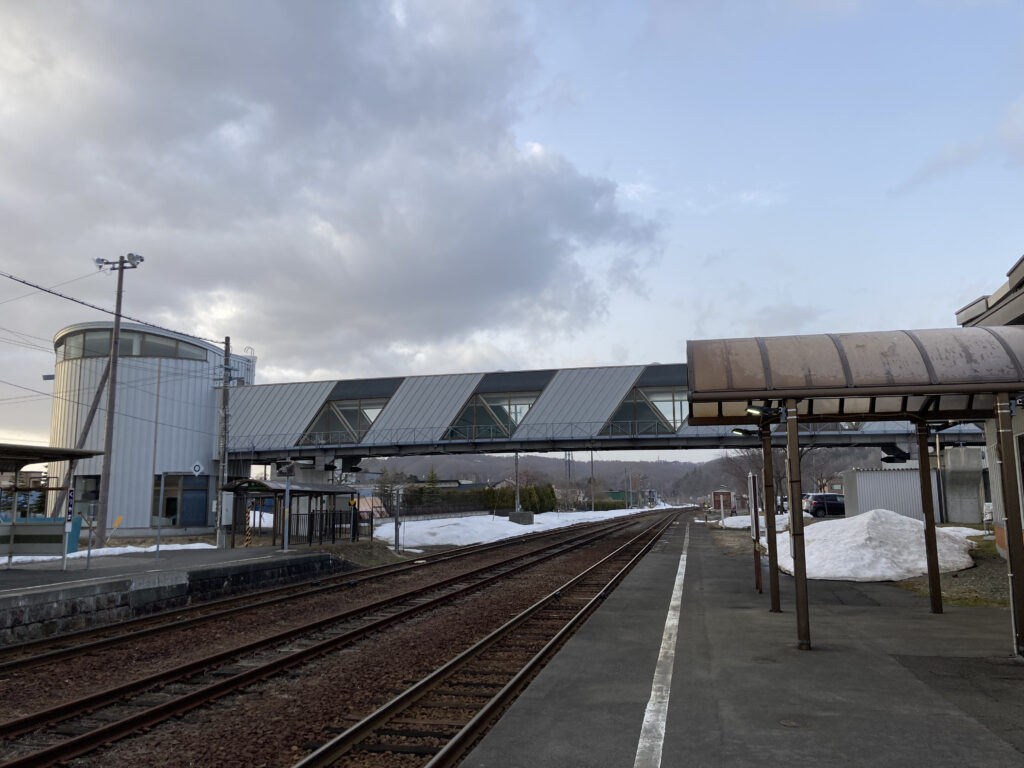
[254, 487]
[940, 374]
[14, 457]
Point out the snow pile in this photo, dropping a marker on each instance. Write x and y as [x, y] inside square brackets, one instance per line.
[479, 529]
[106, 552]
[742, 522]
[879, 545]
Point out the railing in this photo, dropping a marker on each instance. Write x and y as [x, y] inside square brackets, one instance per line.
[328, 527]
[592, 433]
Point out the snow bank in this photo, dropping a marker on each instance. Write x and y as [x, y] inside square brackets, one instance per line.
[108, 551]
[879, 545]
[742, 522]
[461, 531]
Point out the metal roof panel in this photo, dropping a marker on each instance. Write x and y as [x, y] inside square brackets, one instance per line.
[578, 402]
[422, 409]
[267, 416]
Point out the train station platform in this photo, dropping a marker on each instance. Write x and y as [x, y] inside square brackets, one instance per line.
[887, 683]
[39, 599]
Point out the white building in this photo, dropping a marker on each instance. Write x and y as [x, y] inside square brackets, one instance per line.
[166, 425]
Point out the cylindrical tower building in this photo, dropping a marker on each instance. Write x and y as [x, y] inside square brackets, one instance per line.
[165, 423]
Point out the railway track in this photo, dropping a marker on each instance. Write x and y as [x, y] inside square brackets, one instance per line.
[77, 727]
[24, 656]
[437, 720]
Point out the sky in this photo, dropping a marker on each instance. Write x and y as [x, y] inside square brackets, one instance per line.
[361, 189]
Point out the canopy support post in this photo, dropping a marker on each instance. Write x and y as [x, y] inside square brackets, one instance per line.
[1011, 510]
[768, 483]
[796, 526]
[928, 507]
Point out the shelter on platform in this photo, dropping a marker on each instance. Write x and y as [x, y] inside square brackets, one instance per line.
[313, 511]
[15, 457]
[927, 377]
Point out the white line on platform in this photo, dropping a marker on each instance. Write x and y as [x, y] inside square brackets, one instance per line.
[652, 735]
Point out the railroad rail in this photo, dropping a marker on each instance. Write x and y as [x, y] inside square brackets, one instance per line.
[440, 718]
[37, 652]
[75, 728]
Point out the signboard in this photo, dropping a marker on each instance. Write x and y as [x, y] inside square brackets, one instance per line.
[71, 504]
[197, 469]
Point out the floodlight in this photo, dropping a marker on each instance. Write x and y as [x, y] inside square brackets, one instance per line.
[764, 413]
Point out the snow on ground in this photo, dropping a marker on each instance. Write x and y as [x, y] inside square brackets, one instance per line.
[106, 552]
[479, 529]
[742, 522]
[879, 545]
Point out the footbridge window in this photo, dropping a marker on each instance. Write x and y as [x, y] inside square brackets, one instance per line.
[343, 421]
[649, 411]
[493, 415]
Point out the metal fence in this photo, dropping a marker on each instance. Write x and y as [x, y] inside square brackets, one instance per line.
[328, 527]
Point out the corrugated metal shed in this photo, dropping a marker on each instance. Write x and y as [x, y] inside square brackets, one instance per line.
[422, 409]
[898, 490]
[578, 402]
[269, 416]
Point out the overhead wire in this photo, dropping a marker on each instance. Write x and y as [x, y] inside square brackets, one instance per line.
[133, 417]
[55, 285]
[52, 292]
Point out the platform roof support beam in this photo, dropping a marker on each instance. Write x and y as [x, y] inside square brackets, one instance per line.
[928, 508]
[768, 483]
[796, 526]
[1011, 508]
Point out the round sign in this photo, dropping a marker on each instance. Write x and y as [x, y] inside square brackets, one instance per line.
[197, 469]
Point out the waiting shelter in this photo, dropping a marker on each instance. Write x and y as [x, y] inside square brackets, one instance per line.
[928, 377]
[308, 512]
[20, 535]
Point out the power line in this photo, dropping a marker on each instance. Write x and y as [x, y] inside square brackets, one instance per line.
[100, 309]
[72, 280]
[122, 414]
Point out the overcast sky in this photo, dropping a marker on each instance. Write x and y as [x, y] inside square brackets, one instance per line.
[360, 189]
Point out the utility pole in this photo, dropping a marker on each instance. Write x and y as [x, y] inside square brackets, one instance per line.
[591, 479]
[131, 261]
[518, 508]
[222, 449]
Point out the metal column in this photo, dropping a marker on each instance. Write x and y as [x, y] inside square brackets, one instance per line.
[928, 507]
[796, 527]
[1011, 509]
[768, 483]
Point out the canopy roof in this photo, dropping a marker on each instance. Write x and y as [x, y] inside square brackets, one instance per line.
[256, 487]
[935, 374]
[13, 457]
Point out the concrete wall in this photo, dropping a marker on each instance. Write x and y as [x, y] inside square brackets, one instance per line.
[45, 612]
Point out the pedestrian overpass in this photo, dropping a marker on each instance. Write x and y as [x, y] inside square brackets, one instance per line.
[638, 407]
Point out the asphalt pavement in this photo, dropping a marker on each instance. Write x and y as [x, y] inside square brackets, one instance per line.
[886, 683]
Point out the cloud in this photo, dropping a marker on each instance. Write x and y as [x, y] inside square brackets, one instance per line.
[716, 198]
[948, 160]
[337, 184]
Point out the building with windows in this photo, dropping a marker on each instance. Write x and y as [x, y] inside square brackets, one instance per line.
[165, 425]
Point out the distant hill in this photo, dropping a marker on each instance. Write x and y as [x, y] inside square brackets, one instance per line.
[674, 481]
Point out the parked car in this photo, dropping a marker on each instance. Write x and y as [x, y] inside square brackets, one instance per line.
[824, 504]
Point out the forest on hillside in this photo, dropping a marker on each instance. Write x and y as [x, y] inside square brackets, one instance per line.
[673, 481]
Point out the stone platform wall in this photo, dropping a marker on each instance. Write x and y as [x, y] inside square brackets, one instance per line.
[54, 611]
